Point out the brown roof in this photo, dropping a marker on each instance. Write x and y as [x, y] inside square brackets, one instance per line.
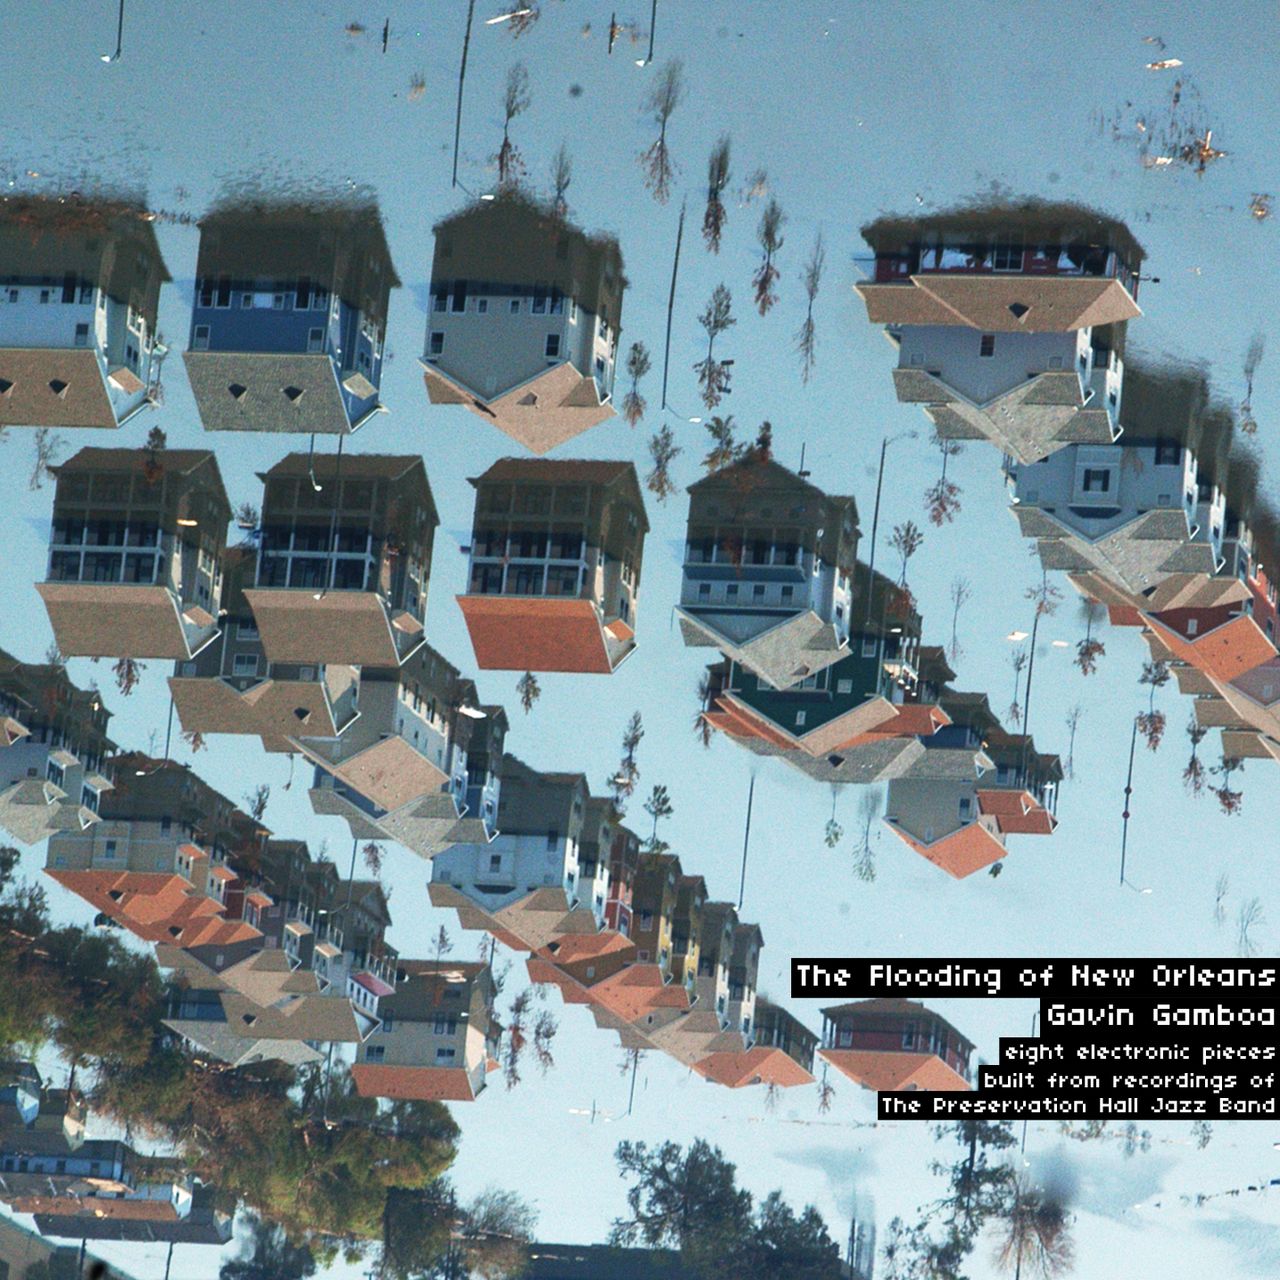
[271, 707]
[348, 627]
[418, 1084]
[31, 402]
[390, 773]
[556, 471]
[1224, 653]
[894, 1070]
[538, 633]
[960, 854]
[539, 414]
[114, 619]
[761, 1065]
[1054, 304]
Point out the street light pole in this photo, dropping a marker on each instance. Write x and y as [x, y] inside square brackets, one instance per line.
[671, 302]
[462, 75]
[746, 839]
[115, 57]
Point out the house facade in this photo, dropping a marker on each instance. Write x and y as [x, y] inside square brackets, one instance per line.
[555, 561]
[288, 326]
[895, 1044]
[525, 320]
[80, 289]
[135, 554]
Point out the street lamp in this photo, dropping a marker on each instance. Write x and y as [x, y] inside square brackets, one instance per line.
[875, 519]
[115, 57]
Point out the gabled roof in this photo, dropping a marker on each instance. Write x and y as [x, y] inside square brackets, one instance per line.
[540, 633]
[883, 1071]
[115, 619]
[783, 651]
[968, 849]
[53, 387]
[417, 1084]
[762, 1064]
[1225, 652]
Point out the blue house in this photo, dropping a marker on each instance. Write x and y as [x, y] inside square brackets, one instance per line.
[288, 322]
[79, 295]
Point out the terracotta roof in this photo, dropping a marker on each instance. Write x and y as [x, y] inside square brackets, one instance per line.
[895, 1070]
[1123, 615]
[373, 984]
[153, 905]
[636, 991]
[1053, 304]
[910, 720]
[31, 402]
[586, 946]
[418, 1084]
[761, 1065]
[115, 619]
[1225, 652]
[536, 633]
[966, 850]
[1017, 812]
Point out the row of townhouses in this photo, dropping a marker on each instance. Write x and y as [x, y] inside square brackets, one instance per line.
[289, 316]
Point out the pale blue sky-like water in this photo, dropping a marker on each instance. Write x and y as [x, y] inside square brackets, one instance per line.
[853, 109]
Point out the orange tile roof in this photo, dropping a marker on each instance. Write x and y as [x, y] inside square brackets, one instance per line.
[761, 1065]
[1017, 812]
[1122, 615]
[1225, 652]
[417, 1084]
[911, 720]
[960, 854]
[738, 721]
[586, 946]
[634, 992]
[153, 905]
[538, 633]
[884, 1070]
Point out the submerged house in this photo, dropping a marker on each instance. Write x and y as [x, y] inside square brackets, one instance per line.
[555, 561]
[525, 316]
[887, 1044]
[135, 554]
[1009, 320]
[79, 296]
[288, 325]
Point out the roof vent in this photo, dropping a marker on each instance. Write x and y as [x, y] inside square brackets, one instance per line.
[302, 713]
[293, 394]
[835, 761]
[1019, 309]
[237, 390]
[249, 1018]
[175, 931]
[530, 398]
[58, 387]
[6, 385]
[115, 895]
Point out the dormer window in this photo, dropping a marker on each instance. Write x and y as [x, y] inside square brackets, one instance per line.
[1018, 310]
[237, 391]
[987, 345]
[6, 386]
[58, 387]
[293, 394]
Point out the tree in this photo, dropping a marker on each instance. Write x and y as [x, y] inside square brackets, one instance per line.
[769, 235]
[267, 1254]
[523, 17]
[497, 1228]
[1252, 359]
[623, 782]
[870, 805]
[561, 179]
[48, 445]
[194, 740]
[658, 806]
[516, 100]
[256, 800]
[833, 832]
[906, 541]
[1195, 774]
[806, 335]
[663, 451]
[372, 854]
[1036, 1233]
[717, 179]
[1045, 597]
[661, 101]
[1220, 888]
[701, 725]
[529, 690]
[942, 499]
[1074, 716]
[1089, 650]
[724, 448]
[791, 1245]
[1018, 661]
[1248, 918]
[443, 944]
[127, 671]
[1230, 802]
[1151, 723]
[638, 364]
[152, 467]
[961, 594]
[826, 1092]
[713, 374]
[418, 1230]
[514, 1038]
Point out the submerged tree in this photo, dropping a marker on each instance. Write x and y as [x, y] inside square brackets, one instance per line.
[529, 691]
[1018, 661]
[1252, 359]
[658, 806]
[516, 100]
[1035, 1234]
[869, 809]
[1195, 775]
[1220, 888]
[661, 101]
[717, 179]
[1074, 716]
[1229, 801]
[701, 725]
[561, 178]
[256, 800]
[623, 782]
[48, 445]
[372, 854]
[1089, 650]
[961, 594]
[127, 671]
[806, 335]
[1151, 723]
[713, 374]
[724, 448]
[906, 540]
[769, 234]
[1248, 918]
[663, 451]
[833, 832]
[638, 364]
[942, 499]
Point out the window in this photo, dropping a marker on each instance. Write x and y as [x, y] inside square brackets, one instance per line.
[82, 335]
[704, 590]
[844, 686]
[437, 342]
[495, 862]
[388, 1023]
[757, 591]
[245, 664]
[166, 823]
[966, 808]
[731, 591]
[110, 849]
[515, 306]
[245, 631]
[788, 592]
[553, 346]
[539, 300]
[987, 344]
[446, 1054]
[375, 1052]
[1097, 480]
[909, 1036]
[553, 838]
[458, 303]
[482, 306]
[801, 717]
[1007, 257]
[446, 1024]
[1168, 453]
[868, 646]
[1193, 625]
[315, 340]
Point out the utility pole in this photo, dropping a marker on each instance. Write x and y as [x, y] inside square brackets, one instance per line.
[746, 839]
[462, 75]
[671, 303]
[875, 525]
